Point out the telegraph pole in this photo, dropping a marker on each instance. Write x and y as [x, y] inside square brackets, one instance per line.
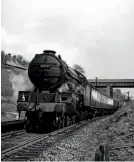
[128, 95]
[96, 82]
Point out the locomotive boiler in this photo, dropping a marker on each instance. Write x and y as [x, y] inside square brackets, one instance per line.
[48, 72]
[59, 94]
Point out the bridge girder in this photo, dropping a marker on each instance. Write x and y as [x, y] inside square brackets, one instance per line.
[114, 83]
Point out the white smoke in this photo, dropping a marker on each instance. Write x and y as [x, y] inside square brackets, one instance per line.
[20, 82]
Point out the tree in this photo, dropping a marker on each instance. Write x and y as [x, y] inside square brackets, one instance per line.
[79, 68]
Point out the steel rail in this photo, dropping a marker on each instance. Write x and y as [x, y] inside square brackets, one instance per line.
[39, 138]
[12, 133]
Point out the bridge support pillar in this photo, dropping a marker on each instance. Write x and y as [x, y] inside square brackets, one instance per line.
[110, 91]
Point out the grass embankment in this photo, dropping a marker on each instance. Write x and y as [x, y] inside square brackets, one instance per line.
[116, 131]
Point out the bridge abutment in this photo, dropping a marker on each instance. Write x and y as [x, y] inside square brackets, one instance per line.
[109, 91]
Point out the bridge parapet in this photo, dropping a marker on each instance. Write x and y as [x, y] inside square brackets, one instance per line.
[114, 83]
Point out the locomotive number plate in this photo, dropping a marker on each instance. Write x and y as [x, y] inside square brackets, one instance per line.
[45, 66]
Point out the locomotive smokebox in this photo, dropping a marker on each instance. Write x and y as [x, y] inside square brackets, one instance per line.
[46, 71]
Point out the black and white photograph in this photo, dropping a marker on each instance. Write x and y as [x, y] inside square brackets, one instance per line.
[67, 80]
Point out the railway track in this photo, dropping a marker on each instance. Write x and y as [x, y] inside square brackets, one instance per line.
[11, 122]
[12, 133]
[30, 148]
[12, 125]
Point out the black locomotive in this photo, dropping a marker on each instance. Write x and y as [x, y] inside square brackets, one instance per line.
[60, 95]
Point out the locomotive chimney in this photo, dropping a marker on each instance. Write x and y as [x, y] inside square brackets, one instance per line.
[49, 52]
[20, 60]
[9, 57]
[14, 58]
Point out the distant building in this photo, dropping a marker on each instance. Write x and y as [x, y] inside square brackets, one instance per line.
[13, 61]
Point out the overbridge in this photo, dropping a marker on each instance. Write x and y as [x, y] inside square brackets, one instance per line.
[112, 83]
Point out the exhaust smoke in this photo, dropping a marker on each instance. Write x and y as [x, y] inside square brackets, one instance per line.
[20, 82]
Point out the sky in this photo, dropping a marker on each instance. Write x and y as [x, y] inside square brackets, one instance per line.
[96, 34]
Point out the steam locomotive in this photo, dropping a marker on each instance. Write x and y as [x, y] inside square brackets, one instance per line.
[60, 95]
